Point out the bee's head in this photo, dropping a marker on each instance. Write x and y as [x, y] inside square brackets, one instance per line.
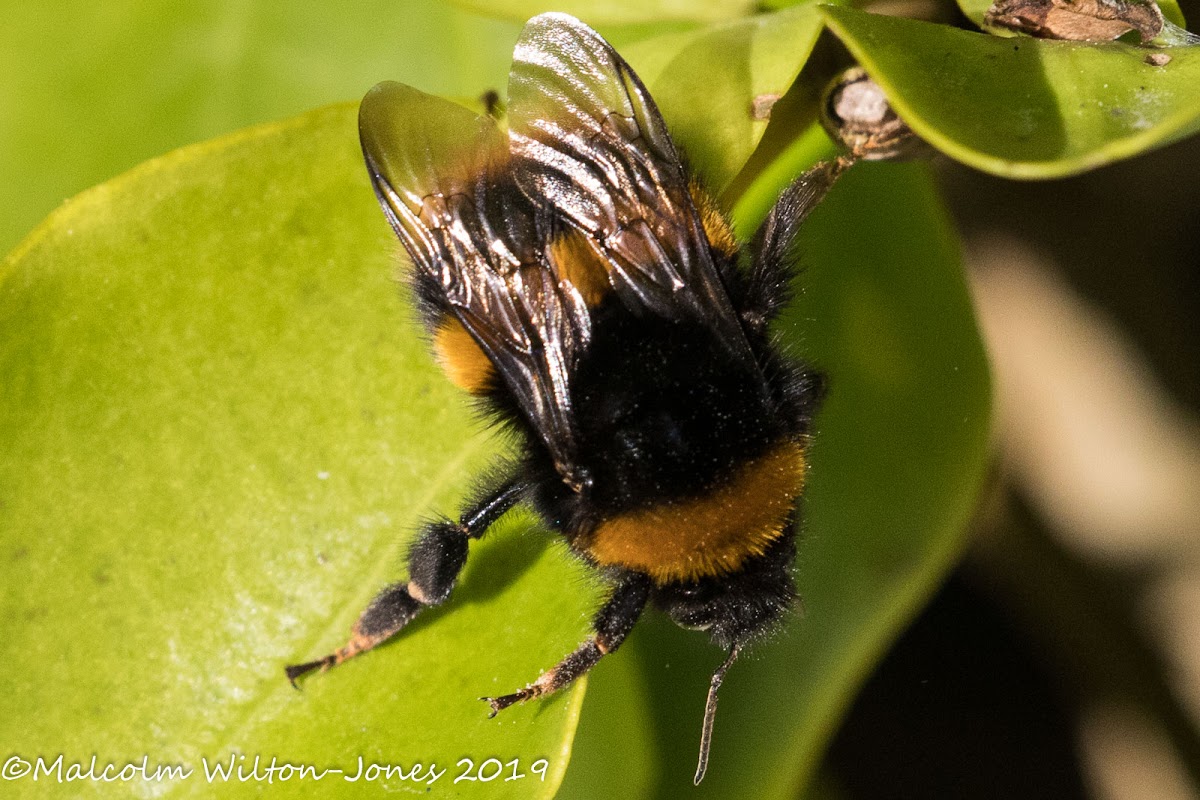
[739, 606]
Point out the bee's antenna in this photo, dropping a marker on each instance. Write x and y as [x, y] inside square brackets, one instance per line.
[710, 711]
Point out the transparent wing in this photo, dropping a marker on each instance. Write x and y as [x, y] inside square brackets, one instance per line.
[442, 175]
[587, 138]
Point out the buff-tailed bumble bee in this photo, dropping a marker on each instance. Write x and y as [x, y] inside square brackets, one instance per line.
[578, 280]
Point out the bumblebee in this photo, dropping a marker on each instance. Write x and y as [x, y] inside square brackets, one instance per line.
[580, 282]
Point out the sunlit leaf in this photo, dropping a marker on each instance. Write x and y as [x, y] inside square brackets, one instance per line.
[218, 430]
[602, 12]
[88, 90]
[709, 83]
[221, 426]
[1025, 107]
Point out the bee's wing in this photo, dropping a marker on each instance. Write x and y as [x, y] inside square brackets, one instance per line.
[587, 137]
[442, 176]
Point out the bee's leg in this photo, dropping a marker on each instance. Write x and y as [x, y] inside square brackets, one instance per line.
[434, 562]
[612, 624]
[767, 287]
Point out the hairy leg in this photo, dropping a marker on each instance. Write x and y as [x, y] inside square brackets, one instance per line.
[434, 563]
[612, 624]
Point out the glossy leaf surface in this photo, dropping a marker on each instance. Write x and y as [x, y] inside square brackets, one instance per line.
[601, 12]
[219, 429]
[1024, 107]
[708, 82]
[88, 90]
[223, 426]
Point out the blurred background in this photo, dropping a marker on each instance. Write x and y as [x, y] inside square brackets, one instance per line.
[1062, 658]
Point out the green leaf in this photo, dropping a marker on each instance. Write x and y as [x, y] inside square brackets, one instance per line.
[616, 752]
[614, 12]
[975, 10]
[899, 453]
[706, 81]
[219, 427]
[152, 75]
[1024, 108]
[811, 145]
